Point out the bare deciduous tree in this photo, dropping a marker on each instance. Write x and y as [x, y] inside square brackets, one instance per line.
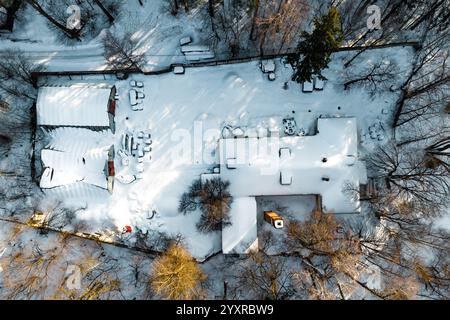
[176, 275]
[278, 23]
[329, 254]
[377, 77]
[400, 288]
[410, 180]
[16, 74]
[122, 52]
[262, 277]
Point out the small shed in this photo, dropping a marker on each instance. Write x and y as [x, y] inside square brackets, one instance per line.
[308, 86]
[268, 66]
[185, 40]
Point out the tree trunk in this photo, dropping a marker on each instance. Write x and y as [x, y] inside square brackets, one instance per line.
[211, 17]
[211, 8]
[176, 6]
[349, 83]
[225, 290]
[427, 87]
[255, 16]
[38, 8]
[105, 11]
[426, 16]
[442, 147]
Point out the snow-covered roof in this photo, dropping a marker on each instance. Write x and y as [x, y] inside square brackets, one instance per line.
[241, 236]
[73, 106]
[263, 167]
[63, 168]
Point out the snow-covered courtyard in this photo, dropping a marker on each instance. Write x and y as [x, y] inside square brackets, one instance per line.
[185, 118]
[224, 150]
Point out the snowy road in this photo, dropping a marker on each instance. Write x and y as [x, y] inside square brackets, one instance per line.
[56, 58]
[157, 36]
[87, 57]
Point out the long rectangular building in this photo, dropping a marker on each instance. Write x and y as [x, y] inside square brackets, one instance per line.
[76, 107]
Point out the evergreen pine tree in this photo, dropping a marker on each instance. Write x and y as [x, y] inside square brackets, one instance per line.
[314, 51]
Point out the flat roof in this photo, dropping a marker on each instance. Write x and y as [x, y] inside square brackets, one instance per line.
[241, 236]
[73, 106]
[258, 165]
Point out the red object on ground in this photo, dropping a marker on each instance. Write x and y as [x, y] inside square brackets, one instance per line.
[127, 229]
[112, 107]
[111, 170]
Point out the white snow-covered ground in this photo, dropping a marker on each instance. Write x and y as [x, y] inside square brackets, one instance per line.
[185, 113]
[155, 31]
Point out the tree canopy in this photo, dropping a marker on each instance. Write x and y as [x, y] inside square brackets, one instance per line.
[314, 51]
